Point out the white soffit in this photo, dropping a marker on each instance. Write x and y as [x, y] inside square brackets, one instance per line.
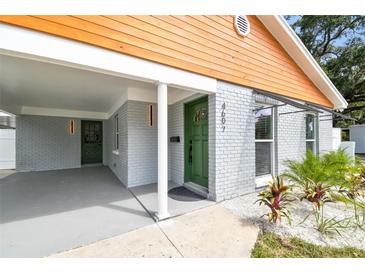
[286, 36]
[39, 46]
[39, 88]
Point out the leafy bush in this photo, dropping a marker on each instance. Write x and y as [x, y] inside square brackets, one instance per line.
[320, 177]
[331, 177]
[353, 183]
[314, 177]
[352, 190]
[277, 197]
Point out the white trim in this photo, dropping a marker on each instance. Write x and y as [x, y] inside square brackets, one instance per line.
[264, 140]
[117, 104]
[315, 133]
[162, 144]
[271, 141]
[286, 36]
[263, 180]
[26, 110]
[116, 133]
[116, 152]
[52, 49]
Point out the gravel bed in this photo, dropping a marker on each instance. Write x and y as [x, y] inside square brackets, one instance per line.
[245, 207]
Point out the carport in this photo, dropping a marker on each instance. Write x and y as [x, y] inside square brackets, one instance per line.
[46, 212]
[54, 201]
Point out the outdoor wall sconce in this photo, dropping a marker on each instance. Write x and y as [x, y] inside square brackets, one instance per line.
[151, 111]
[72, 127]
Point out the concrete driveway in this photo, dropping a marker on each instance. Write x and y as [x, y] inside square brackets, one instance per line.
[42, 213]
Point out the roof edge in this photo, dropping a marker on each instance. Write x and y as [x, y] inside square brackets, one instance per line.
[294, 46]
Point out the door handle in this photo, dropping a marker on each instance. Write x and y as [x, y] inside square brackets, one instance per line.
[190, 152]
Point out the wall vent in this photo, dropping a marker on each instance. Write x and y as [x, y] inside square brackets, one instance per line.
[242, 25]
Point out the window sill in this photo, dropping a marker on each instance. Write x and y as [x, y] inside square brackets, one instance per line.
[115, 152]
[263, 180]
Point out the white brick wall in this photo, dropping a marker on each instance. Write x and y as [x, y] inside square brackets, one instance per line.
[290, 135]
[176, 150]
[212, 147]
[233, 158]
[44, 143]
[142, 145]
[118, 163]
[325, 133]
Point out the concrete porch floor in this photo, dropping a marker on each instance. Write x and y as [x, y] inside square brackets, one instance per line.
[147, 195]
[45, 212]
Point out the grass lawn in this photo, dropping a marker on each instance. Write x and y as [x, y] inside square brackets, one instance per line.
[270, 245]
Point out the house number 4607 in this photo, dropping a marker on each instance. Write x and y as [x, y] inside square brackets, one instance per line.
[223, 117]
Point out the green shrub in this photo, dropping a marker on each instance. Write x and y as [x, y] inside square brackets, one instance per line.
[314, 176]
[331, 177]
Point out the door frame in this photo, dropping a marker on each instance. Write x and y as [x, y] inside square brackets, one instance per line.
[187, 178]
[102, 141]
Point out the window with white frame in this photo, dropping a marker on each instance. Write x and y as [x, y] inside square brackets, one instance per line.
[264, 141]
[310, 134]
[116, 133]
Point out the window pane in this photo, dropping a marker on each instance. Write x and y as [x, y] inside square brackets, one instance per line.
[263, 124]
[309, 126]
[263, 158]
[310, 145]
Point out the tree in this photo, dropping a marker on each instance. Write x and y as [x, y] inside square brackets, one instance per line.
[337, 43]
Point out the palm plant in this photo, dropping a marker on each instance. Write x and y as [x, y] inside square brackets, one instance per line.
[336, 164]
[329, 178]
[277, 197]
[313, 176]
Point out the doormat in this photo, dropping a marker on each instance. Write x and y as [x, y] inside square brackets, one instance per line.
[185, 195]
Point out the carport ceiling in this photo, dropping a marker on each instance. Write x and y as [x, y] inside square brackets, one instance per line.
[30, 83]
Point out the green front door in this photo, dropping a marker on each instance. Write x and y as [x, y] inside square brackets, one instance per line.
[91, 142]
[196, 142]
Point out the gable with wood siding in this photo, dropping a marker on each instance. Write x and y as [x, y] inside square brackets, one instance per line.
[207, 45]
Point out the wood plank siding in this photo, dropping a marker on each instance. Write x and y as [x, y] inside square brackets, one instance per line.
[208, 45]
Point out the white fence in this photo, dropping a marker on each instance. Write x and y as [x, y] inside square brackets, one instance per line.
[357, 135]
[336, 138]
[7, 148]
[348, 147]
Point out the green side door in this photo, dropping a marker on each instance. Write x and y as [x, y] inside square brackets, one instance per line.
[196, 142]
[91, 142]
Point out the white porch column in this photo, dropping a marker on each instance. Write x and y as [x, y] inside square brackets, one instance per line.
[162, 151]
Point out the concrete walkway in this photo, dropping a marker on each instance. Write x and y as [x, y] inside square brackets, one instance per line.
[209, 232]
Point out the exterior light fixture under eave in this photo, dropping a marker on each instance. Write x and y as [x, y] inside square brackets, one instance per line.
[72, 127]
